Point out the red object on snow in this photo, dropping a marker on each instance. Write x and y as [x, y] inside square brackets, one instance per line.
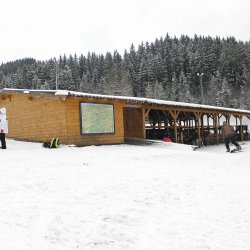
[166, 139]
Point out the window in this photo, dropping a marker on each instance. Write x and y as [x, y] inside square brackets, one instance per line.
[97, 118]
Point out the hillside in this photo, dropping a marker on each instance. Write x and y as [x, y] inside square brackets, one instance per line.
[214, 71]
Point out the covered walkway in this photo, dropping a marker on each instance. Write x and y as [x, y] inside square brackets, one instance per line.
[192, 125]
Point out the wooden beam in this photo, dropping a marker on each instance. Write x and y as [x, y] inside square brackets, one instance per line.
[146, 113]
[166, 121]
[174, 114]
[216, 118]
[144, 123]
[191, 110]
[241, 128]
[198, 122]
[236, 120]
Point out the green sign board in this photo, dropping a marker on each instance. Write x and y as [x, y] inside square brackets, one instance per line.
[97, 118]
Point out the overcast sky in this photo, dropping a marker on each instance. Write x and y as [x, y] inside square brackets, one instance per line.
[43, 29]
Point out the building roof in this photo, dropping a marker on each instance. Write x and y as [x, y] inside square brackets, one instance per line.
[66, 93]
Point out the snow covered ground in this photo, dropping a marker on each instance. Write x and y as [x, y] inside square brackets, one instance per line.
[159, 197]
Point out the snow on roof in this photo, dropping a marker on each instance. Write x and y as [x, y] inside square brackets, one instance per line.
[143, 100]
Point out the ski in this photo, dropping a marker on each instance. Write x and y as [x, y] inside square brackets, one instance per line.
[236, 150]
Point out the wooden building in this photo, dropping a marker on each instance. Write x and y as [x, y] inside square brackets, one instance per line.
[89, 119]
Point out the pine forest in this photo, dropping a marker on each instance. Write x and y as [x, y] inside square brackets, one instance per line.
[205, 70]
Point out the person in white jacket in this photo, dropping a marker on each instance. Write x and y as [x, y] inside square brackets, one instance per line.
[3, 127]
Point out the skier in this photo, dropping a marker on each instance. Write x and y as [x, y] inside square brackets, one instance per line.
[229, 136]
[3, 127]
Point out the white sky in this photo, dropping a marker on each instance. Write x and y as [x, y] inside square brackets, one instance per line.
[48, 28]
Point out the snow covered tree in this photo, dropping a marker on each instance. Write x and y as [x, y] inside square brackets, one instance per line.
[213, 91]
[184, 93]
[224, 96]
[170, 62]
[155, 91]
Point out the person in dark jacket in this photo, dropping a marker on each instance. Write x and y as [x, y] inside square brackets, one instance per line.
[229, 136]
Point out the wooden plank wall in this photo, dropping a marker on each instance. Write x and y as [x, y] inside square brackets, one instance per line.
[74, 130]
[35, 119]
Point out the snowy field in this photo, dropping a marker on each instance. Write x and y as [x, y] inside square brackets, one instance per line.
[124, 197]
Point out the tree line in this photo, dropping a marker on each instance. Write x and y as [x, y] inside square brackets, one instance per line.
[214, 71]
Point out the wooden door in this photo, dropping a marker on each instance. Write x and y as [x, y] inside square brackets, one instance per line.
[133, 123]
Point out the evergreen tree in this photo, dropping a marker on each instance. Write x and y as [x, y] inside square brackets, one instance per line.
[213, 92]
[224, 94]
[184, 94]
[133, 68]
[166, 68]
[155, 91]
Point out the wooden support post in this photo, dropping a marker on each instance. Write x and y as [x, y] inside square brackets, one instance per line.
[199, 126]
[144, 123]
[236, 120]
[198, 123]
[202, 124]
[165, 119]
[216, 125]
[241, 128]
[227, 120]
[175, 114]
[145, 113]
[218, 119]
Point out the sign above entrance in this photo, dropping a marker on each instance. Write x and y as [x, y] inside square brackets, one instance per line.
[133, 106]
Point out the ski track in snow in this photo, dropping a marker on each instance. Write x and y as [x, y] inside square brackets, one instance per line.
[124, 197]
